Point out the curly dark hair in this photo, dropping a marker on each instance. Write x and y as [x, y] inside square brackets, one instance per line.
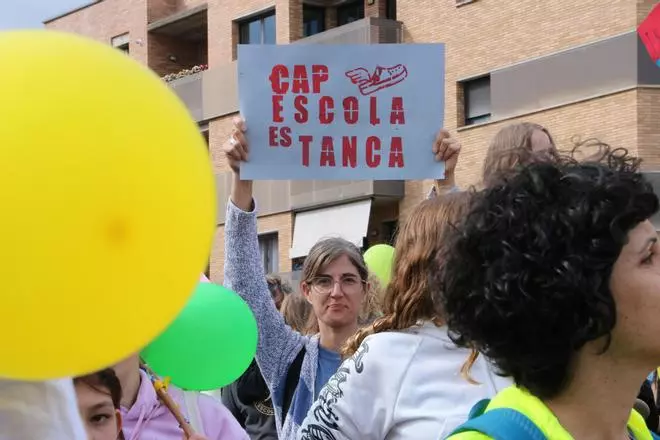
[525, 278]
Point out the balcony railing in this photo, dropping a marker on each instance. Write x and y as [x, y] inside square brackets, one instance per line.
[369, 30]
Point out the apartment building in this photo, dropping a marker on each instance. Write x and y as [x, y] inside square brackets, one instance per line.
[576, 67]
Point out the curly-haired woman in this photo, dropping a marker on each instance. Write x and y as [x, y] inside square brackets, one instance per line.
[554, 275]
[404, 379]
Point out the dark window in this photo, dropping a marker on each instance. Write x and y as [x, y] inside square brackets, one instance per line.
[476, 94]
[269, 252]
[390, 9]
[350, 12]
[258, 30]
[313, 20]
[390, 229]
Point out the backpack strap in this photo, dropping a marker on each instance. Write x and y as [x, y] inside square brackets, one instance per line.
[503, 424]
[291, 383]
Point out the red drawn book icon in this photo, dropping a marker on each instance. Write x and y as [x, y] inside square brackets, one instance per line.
[649, 32]
[381, 78]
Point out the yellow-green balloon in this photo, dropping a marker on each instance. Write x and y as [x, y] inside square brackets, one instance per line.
[209, 345]
[379, 259]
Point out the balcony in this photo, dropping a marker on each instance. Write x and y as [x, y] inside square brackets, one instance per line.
[209, 94]
[179, 41]
[369, 30]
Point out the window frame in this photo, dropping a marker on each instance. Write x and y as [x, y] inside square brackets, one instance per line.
[261, 18]
[467, 85]
[269, 242]
[323, 17]
[121, 42]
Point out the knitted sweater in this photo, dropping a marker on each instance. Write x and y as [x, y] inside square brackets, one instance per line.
[278, 344]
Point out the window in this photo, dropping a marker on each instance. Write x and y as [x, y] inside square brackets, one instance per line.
[350, 12]
[258, 30]
[476, 95]
[390, 9]
[313, 20]
[120, 42]
[269, 252]
[390, 229]
[204, 129]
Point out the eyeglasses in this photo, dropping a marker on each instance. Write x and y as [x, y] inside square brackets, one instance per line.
[350, 285]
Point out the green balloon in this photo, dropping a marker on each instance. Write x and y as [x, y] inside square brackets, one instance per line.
[209, 345]
[380, 259]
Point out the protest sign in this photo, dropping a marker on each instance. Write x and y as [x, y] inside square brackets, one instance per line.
[336, 112]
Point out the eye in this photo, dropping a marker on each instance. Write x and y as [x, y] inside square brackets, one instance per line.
[99, 419]
[350, 281]
[323, 282]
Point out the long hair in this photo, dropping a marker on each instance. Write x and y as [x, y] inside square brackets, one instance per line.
[372, 308]
[408, 297]
[510, 147]
[324, 252]
[296, 310]
[106, 382]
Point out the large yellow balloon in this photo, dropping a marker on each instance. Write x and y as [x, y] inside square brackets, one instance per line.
[107, 199]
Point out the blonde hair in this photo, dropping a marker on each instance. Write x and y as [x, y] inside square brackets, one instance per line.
[510, 147]
[295, 310]
[320, 255]
[372, 306]
[408, 297]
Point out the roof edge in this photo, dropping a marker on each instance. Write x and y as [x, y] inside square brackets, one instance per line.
[72, 11]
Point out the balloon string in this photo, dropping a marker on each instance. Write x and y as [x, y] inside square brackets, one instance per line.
[160, 386]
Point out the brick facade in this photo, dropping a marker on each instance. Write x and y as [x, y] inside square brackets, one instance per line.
[480, 36]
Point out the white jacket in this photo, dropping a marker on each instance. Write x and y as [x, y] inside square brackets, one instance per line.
[400, 385]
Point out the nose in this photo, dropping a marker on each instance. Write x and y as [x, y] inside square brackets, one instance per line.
[336, 289]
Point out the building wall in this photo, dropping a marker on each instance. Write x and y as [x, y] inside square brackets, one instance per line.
[480, 36]
[280, 223]
[108, 19]
[485, 35]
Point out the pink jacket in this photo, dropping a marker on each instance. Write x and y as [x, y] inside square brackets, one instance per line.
[148, 419]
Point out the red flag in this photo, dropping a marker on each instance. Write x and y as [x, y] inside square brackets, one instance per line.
[649, 32]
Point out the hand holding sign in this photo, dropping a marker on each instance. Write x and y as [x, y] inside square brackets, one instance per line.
[236, 148]
[446, 149]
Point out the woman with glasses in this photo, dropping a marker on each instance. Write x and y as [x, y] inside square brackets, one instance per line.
[334, 281]
[404, 364]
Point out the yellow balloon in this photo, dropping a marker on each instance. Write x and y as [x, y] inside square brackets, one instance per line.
[108, 205]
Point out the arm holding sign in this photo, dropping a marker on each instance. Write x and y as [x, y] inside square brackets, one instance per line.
[278, 345]
[446, 149]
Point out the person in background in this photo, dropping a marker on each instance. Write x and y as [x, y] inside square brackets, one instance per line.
[144, 416]
[404, 364]
[99, 398]
[334, 281]
[248, 398]
[278, 289]
[296, 311]
[554, 275]
[516, 145]
[513, 145]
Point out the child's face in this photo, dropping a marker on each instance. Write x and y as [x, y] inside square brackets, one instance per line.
[102, 421]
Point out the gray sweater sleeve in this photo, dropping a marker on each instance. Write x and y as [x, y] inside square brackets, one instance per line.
[244, 274]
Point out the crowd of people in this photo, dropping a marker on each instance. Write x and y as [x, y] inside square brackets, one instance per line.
[522, 308]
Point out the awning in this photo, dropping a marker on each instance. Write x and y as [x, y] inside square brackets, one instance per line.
[349, 221]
